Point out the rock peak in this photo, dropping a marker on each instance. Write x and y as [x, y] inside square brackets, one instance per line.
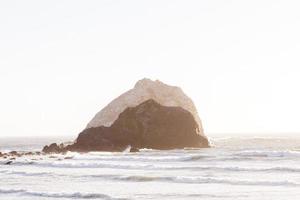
[146, 82]
[145, 89]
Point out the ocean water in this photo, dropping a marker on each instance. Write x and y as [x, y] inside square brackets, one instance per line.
[236, 168]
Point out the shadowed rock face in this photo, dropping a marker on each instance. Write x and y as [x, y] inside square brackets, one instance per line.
[148, 125]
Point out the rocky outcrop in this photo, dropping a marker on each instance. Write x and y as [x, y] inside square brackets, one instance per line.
[151, 115]
[53, 148]
[144, 90]
[148, 125]
[10, 157]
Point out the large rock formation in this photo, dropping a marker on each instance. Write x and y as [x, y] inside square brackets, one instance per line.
[151, 115]
[144, 90]
[148, 125]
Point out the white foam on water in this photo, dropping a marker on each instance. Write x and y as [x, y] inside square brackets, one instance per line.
[220, 172]
[76, 195]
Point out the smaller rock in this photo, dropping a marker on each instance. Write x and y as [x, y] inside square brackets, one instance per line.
[134, 150]
[9, 162]
[52, 157]
[53, 148]
[46, 149]
[14, 153]
[29, 154]
[1, 154]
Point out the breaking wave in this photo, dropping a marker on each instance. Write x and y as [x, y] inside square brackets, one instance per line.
[198, 180]
[269, 153]
[76, 195]
[145, 166]
[25, 173]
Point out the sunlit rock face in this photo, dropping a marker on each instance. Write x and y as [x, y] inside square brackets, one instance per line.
[144, 90]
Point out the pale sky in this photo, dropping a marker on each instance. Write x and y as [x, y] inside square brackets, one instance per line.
[62, 61]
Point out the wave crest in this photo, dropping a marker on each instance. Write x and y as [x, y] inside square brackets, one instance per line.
[76, 195]
[200, 180]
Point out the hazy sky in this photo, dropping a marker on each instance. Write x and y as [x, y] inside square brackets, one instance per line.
[62, 61]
